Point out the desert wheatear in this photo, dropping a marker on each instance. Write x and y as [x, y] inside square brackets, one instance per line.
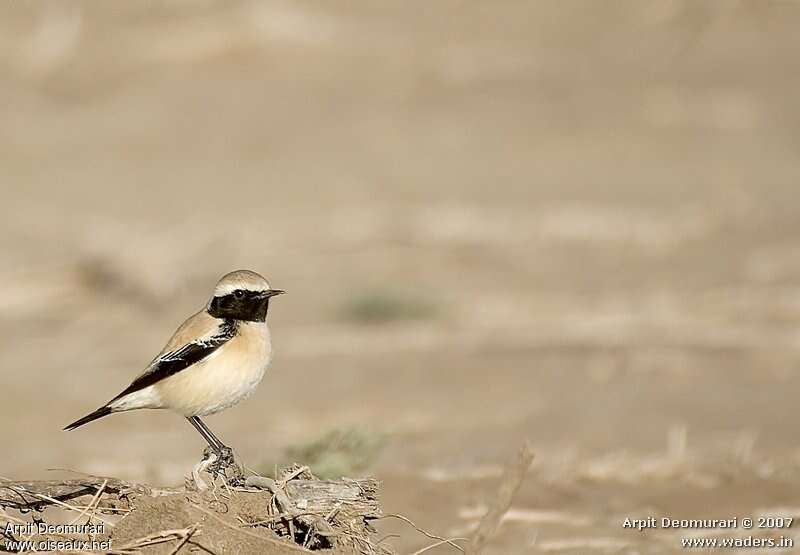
[213, 361]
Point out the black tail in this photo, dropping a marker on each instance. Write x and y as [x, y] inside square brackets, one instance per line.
[99, 413]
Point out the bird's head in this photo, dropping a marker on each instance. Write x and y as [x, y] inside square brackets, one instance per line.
[242, 295]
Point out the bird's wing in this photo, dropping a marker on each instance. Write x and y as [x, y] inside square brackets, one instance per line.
[195, 339]
[198, 326]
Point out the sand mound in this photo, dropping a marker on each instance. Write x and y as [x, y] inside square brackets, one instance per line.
[294, 514]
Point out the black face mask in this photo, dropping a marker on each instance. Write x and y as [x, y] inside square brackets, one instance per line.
[241, 304]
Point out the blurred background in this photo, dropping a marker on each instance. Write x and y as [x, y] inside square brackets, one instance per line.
[574, 222]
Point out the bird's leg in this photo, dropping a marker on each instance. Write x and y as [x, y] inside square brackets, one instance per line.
[212, 440]
[223, 452]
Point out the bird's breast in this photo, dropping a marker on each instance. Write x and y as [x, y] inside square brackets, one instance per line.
[228, 375]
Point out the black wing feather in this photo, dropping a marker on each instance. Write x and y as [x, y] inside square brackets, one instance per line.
[99, 413]
[168, 364]
[174, 361]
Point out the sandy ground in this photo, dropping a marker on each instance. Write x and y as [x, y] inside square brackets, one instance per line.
[570, 222]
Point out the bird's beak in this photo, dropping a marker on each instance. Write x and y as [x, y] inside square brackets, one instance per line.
[270, 293]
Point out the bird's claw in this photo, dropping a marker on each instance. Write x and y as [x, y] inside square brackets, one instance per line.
[223, 464]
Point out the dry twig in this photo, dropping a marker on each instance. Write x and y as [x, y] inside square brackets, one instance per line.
[186, 538]
[153, 539]
[509, 486]
[91, 506]
[57, 502]
[437, 544]
[425, 532]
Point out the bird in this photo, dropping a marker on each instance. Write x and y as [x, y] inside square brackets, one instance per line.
[215, 359]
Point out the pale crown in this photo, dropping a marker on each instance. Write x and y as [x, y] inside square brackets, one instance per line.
[240, 279]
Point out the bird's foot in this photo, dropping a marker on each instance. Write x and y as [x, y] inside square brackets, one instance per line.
[223, 464]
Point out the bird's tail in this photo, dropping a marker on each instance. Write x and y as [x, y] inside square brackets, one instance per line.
[99, 413]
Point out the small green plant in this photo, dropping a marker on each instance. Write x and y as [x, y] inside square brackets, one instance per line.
[378, 307]
[337, 453]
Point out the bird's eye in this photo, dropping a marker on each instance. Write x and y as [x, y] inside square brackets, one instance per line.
[238, 293]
